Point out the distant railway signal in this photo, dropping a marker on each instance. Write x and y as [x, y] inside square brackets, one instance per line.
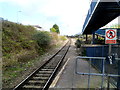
[110, 36]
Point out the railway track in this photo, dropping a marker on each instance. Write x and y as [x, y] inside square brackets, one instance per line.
[43, 76]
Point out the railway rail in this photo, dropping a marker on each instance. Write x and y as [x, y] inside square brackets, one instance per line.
[44, 75]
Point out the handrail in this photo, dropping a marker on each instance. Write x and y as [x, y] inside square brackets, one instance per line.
[94, 74]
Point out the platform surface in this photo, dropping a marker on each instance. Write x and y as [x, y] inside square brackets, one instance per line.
[67, 78]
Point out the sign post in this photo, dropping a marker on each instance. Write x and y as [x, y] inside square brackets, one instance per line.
[110, 38]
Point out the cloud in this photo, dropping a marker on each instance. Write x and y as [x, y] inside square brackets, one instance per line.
[68, 14]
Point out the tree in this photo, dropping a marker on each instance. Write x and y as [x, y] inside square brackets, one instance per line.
[52, 29]
[115, 26]
[55, 28]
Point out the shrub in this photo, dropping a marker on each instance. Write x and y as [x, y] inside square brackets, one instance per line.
[43, 39]
[26, 56]
[78, 43]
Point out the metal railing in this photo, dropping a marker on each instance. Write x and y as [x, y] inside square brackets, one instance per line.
[103, 74]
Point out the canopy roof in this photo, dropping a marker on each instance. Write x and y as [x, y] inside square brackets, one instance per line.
[100, 14]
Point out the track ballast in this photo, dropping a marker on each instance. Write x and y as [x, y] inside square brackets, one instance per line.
[43, 76]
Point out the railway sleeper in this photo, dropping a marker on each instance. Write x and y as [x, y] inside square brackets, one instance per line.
[35, 83]
[43, 75]
[55, 62]
[47, 69]
[32, 87]
[48, 72]
[56, 59]
[49, 66]
[62, 53]
[35, 79]
[41, 78]
[58, 55]
[52, 65]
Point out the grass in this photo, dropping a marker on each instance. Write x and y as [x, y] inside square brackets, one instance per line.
[15, 71]
[63, 38]
[22, 46]
[11, 73]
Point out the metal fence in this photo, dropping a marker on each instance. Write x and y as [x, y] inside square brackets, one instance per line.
[103, 51]
[103, 74]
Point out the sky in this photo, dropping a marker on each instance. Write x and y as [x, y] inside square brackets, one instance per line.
[69, 15]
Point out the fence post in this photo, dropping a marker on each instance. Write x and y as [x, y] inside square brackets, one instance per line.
[118, 82]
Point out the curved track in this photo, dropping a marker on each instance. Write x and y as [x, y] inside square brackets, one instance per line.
[43, 76]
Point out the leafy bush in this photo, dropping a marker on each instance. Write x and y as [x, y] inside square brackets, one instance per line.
[43, 40]
[26, 56]
[78, 43]
[55, 29]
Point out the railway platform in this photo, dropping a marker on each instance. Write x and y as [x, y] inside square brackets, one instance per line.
[67, 79]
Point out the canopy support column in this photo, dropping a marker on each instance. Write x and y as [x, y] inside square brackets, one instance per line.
[93, 37]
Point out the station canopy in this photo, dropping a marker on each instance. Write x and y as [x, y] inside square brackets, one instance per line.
[101, 12]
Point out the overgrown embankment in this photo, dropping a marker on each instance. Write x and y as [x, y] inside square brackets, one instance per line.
[21, 45]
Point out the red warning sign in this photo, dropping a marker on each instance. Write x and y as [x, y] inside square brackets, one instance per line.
[110, 36]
